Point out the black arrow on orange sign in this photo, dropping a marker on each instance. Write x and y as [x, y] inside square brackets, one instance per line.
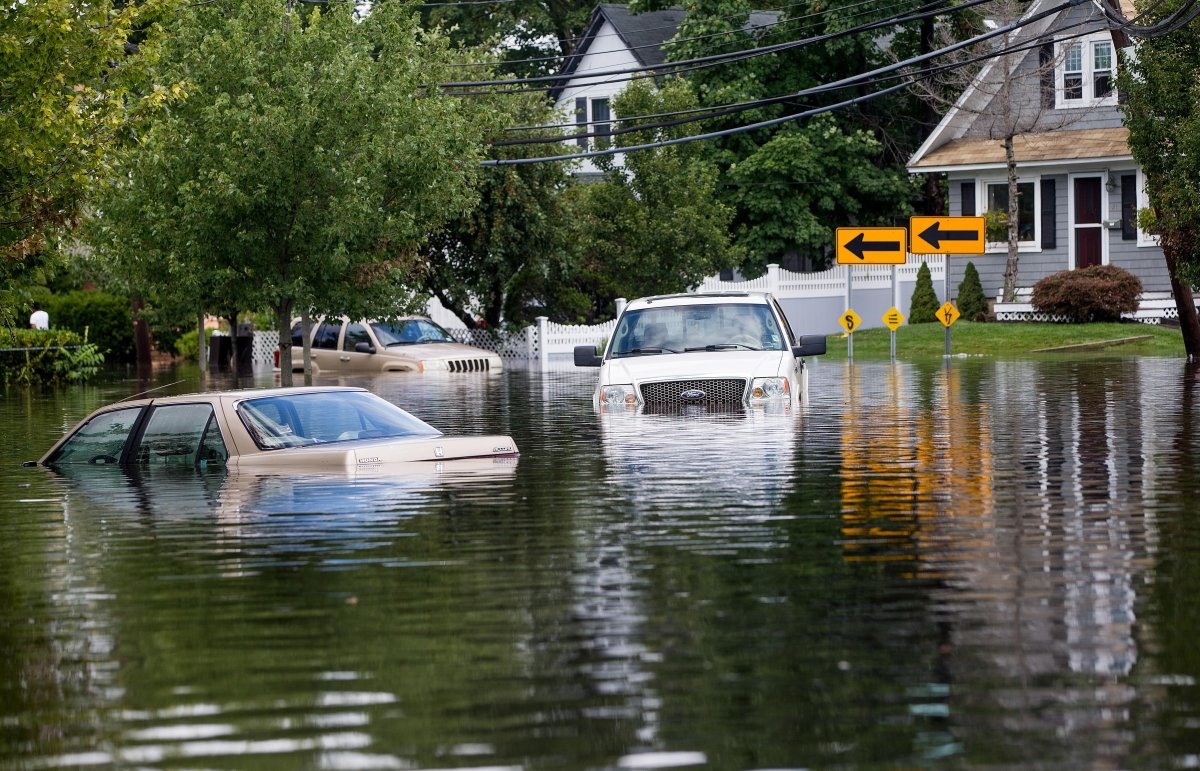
[859, 246]
[934, 235]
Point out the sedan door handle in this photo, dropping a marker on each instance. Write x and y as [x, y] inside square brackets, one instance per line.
[343, 358]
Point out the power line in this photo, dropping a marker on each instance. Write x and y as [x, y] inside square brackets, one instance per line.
[668, 68]
[860, 79]
[719, 111]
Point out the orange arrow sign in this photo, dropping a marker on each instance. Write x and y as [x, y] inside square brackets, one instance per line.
[872, 246]
[947, 235]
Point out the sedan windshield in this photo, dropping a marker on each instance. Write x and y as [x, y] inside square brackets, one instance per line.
[339, 416]
[708, 327]
[409, 332]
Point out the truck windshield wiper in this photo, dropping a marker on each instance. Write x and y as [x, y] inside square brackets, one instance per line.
[722, 347]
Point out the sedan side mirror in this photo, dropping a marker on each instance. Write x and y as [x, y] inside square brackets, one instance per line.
[364, 347]
[809, 345]
[586, 356]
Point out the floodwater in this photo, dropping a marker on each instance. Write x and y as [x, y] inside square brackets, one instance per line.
[963, 564]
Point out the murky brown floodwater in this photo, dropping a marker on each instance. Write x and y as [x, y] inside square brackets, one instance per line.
[975, 564]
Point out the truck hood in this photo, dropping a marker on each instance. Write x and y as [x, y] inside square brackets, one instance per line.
[695, 365]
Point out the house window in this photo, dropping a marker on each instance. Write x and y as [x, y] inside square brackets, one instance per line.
[601, 125]
[1027, 209]
[1086, 72]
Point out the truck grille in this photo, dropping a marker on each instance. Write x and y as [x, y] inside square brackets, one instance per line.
[724, 391]
[468, 365]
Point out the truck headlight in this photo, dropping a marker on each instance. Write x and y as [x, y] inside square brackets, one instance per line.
[770, 388]
[618, 394]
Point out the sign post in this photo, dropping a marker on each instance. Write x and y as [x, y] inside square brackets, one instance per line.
[947, 235]
[867, 246]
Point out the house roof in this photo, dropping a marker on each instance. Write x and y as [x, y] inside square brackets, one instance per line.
[948, 147]
[1059, 147]
[642, 33]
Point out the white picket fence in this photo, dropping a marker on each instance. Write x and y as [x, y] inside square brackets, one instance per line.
[545, 339]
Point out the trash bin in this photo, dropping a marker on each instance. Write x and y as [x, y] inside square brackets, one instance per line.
[220, 350]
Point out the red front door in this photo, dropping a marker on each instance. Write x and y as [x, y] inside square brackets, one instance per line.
[1088, 222]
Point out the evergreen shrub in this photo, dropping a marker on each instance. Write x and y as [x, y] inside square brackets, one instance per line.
[924, 305]
[105, 319]
[1097, 293]
[972, 302]
[37, 357]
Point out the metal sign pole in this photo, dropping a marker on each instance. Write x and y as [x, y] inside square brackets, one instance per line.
[849, 305]
[946, 294]
[895, 303]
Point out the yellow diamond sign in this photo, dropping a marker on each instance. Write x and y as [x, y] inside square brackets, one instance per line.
[947, 314]
[850, 321]
[893, 318]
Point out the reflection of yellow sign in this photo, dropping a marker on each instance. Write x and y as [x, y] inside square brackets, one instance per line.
[946, 235]
[893, 318]
[947, 314]
[850, 320]
[872, 246]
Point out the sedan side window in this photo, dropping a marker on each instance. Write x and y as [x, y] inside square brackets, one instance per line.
[172, 436]
[100, 440]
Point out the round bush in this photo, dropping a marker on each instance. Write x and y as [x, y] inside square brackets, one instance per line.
[1098, 293]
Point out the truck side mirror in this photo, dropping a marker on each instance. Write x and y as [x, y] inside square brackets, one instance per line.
[586, 356]
[809, 345]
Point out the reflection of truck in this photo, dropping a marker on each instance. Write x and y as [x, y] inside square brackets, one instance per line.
[721, 349]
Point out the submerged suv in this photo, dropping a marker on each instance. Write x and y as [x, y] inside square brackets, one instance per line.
[720, 349]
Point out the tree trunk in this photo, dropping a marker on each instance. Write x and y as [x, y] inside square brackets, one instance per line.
[141, 335]
[232, 320]
[306, 346]
[202, 347]
[283, 323]
[1189, 320]
[1014, 224]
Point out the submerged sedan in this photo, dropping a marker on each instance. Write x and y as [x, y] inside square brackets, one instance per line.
[726, 349]
[412, 344]
[284, 429]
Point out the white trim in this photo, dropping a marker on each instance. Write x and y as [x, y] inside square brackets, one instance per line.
[1087, 46]
[1055, 165]
[1144, 239]
[1071, 224]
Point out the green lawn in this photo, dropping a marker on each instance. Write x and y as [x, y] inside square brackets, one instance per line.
[1012, 339]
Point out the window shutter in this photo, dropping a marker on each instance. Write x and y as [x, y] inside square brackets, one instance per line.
[1049, 220]
[1128, 207]
[581, 120]
[968, 198]
[1047, 73]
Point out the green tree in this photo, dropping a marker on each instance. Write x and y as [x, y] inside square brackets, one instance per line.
[303, 170]
[502, 259]
[923, 306]
[532, 36]
[972, 302]
[653, 223]
[793, 184]
[66, 78]
[1160, 109]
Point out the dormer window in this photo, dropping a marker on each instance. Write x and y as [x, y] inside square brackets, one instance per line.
[1086, 72]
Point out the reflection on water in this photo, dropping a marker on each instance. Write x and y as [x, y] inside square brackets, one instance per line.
[978, 563]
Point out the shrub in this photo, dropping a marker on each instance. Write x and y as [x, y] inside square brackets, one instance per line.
[1098, 293]
[103, 317]
[972, 302]
[187, 345]
[924, 304]
[47, 357]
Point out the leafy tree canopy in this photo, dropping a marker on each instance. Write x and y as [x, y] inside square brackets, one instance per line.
[653, 223]
[780, 213]
[66, 86]
[307, 163]
[504, 258]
